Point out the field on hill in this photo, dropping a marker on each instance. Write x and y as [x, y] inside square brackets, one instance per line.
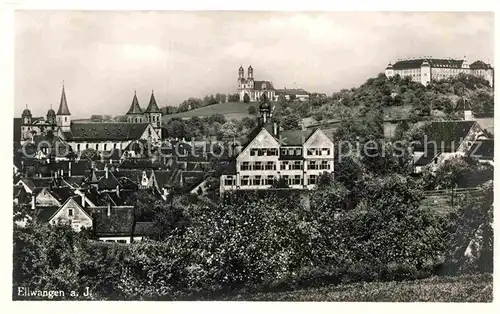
[231, 110]
[466, 288]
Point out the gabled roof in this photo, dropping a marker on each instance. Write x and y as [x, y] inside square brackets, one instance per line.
[426, 159]
[478, 65]
[106, 131]
[259, 85]
[483, 149]
[295, 137]
[120, 222]
[63, 106]
[134, 107]
[448, 135]
[152, 107]
[47, 212]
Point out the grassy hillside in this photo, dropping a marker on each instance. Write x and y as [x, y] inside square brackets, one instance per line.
[231, 110]
[466, 288]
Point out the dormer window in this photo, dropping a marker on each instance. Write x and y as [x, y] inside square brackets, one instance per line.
[70, 212]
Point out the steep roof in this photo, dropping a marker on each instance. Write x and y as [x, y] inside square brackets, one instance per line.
[259, 85]
[294, 137]
[46, 213]
[120, 222]
[448, 135]
[435, 63]
[483, 149]
[426, 159]
[106, 131]
[134, 107]
[63, 106]
[152, 107]
[478, 65]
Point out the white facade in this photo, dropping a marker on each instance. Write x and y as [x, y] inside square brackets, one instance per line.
[264, 161]
[428, 70]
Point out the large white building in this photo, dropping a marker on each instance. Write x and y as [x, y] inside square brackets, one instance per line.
[426, 70]
[296, 156]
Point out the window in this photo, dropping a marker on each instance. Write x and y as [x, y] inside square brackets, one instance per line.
[70, 212]
[257, 165]
[245, 180]
[269, 180]
[114, 145]
[245, 165]
[121, 241]
[326, 151]
[298, 151]
[312, 179]
[105, 146]
[272, 152]
[65, 119]
[256, 180]
[325, 165]
[286, 178]
[86, 146]
[291, 152]
[270, 165]
[312, 165]
[310, 152]
[78, 147]
[284, 165]
[296, 180]
[96, 146]
[228, 180]
[260, 152]
[253, 152]
[283, 152]
[297, 165]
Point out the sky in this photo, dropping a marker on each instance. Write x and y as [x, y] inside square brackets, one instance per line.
[104, 56]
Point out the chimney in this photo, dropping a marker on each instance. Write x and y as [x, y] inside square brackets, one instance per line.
[69, 169]
[275, 129]
[33, 201]
[109, 209]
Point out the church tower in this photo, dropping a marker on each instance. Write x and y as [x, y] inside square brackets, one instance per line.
[153, 114]
[250, 77]
[63, 115]
[134, 114]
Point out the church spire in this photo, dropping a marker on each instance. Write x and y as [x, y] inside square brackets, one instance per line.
[63, 106]
[134, 107]
[153, 106]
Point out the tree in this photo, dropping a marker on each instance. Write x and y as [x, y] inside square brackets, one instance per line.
[229, 130]
[246, 98]
[252, 110]
[290, 121]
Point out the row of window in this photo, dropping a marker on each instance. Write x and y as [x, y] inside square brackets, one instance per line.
[285, 165]
[96, 146]
[269, 180]
[289, 151]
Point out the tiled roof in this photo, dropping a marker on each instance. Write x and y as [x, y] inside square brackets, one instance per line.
[152, 107]
[259, 85]
[120, 222]
[106, 131]
[448, 135]
[46, 213]
[427, 158]
[293, 91]
[483, 149]
[477, 65]
[294, 137]
[134, 107]
[63, 106]
[143, 228]
[435, 63]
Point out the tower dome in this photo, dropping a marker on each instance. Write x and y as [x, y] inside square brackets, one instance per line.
[51, 112]
[26, 112]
